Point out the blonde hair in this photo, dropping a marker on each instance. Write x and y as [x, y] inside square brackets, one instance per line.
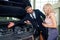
[50, 7]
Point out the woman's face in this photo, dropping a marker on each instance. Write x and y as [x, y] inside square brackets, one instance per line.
[46, 9]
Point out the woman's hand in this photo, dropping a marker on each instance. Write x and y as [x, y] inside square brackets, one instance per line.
[44, 24]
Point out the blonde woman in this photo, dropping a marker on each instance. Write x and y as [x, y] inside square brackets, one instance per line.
[50, 22]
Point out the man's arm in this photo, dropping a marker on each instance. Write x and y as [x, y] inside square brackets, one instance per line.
[41, 14]
[21, 22]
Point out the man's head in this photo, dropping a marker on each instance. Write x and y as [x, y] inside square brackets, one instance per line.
[29, 9]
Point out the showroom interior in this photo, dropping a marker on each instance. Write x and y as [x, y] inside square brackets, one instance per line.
[36, 4]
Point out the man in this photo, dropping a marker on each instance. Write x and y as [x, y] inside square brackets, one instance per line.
[34, 17]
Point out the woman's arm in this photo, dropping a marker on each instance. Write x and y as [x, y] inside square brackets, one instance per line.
[54, 24]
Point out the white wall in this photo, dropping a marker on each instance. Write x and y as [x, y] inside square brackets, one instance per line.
[56, 7]
[57, 15]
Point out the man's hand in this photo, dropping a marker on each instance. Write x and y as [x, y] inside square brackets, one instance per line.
[27, 22]
[11, 24]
